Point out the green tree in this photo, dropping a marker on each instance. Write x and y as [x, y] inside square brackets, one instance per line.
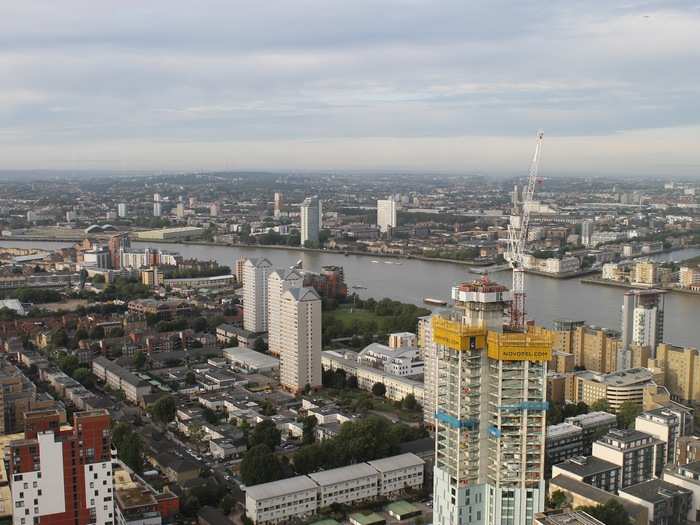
[260, 345]
[379, 389]
[627, 413]
[139, 359]
[558, 499]
[163, 410]
[199, 324]
[59, 339]
[83, 376]
[309, 430]
[68, 363]
[97, 332]
[266, 433]
[190, 378]
[601, 405]
[228, 503]
[260, 465]
[410, 403]
[611, 512]
[129, 446]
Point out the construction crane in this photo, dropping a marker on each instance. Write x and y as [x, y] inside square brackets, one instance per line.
[517, 240]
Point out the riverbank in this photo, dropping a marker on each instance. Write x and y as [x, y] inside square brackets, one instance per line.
[618, 284]
[268, 247]
[564, 275]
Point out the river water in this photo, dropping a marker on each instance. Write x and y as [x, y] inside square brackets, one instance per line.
[412, 280]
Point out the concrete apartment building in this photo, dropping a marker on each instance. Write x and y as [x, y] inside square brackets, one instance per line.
[397, 387]
[278, 282]
[665, 503]
[18, 395]
[255, 277]
[303, 496]
[640, 456]
[62, 474]
[120, 379]
[300, 330]
[595, 349]
[688, 477]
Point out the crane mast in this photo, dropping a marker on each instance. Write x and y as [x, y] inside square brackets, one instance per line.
[517, 240]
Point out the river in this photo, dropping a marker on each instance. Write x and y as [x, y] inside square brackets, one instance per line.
[410, 281]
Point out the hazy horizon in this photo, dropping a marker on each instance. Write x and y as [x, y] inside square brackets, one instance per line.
[315, 86]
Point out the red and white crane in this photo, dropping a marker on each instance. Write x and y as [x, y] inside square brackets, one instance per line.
[517, 240]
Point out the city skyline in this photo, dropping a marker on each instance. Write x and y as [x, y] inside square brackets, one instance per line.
[403, 86]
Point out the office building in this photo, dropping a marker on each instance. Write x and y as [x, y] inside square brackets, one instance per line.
[563, 441]
[122, 210]
[180, 210]
[255, 276]
[640, 456]
[592, 425]
[62, 474]
[642, 322]
[490, 413]
[311, 214]
[616, 388]
[278, 282]
[386, 214]
[301, 497]
[300, 330]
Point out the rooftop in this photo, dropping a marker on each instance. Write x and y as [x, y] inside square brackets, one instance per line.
[654, 491]
[396, 462]
[591, 419]
[563, 429]
[567, 518]
[280, 488]
[341, 474]
[629, 377]
[586, 465]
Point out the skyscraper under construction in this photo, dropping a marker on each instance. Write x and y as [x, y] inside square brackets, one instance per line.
[490, 412]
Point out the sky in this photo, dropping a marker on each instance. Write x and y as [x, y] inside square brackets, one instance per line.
[419, 85]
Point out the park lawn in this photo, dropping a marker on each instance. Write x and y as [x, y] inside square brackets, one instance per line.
[347, 315]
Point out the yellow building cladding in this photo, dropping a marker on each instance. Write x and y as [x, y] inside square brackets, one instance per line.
[457, 336]
[535, 345]
[519, 347]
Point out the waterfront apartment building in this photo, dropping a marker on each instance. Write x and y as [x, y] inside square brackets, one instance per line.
[300, 336]
[255, 277]
[640, 456]
[689, 277]
[386, 214]
[490, 413]
[62, 475]
[301, 497]
[680, 370]
[311, 214]
[642, 322]
[278, 282]
[595, 349]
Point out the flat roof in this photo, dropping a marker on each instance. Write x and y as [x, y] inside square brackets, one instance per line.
[562, 429]
[595, 494]
[367, 519]
[402, 507]
[396, 462]
[341, 474]
[567, 518]
[592, 418]
[250, 357]
[653, 491]
[280, 488]
[586, 465]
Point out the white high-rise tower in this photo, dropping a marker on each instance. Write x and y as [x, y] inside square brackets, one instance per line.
[255, 274]
[300, 321]
[386, 214]
[311, 224]
[490, 413]
[279, 282]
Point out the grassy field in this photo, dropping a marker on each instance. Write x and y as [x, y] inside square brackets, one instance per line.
[347, 314]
